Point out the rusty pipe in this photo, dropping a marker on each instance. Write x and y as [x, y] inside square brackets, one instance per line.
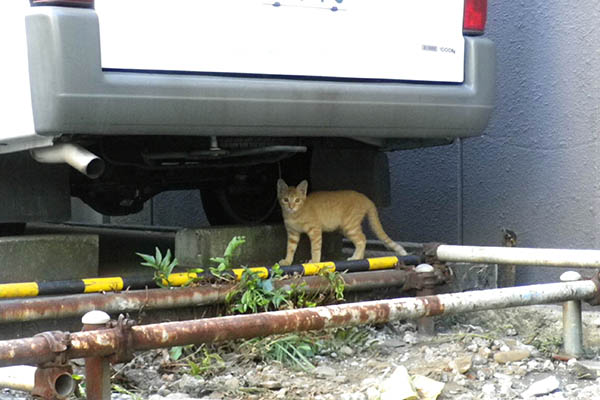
[38, 349]
[40, 308]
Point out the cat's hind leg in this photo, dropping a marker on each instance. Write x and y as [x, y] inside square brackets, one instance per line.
[359, 241]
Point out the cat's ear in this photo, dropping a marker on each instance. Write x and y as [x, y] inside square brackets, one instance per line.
[303, 187]
[281, 187]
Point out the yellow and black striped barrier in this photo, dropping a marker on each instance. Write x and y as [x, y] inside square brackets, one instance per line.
[115, 284]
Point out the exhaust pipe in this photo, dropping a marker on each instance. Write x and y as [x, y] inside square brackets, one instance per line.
[76, 156]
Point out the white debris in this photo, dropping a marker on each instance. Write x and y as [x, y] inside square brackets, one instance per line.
[544, 386]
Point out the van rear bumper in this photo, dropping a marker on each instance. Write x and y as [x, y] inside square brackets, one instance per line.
[71, 94]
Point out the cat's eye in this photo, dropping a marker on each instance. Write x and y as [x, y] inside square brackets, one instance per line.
[285, 200]
[297, 201]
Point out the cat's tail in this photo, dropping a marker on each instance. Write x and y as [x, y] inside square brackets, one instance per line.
[377, 229]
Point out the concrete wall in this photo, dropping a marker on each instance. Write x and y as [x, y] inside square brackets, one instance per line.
[535, 170]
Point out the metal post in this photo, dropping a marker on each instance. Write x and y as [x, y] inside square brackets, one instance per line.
[426, 325]
[97, 369]
[572, 327]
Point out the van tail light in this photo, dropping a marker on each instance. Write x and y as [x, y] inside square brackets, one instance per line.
[475, 17]
[63, 3]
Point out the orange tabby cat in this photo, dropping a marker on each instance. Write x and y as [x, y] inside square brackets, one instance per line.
[325, 212]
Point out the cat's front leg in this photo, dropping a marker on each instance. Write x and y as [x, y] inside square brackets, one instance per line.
[292, 243]
[316, 240]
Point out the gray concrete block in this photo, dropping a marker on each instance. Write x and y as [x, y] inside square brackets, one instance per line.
[48, 257]
[265, 245]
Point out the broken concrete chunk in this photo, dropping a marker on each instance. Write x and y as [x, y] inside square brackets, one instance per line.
[427, 388]
[398, 386]
[544, 386]
[504, 357]
[461, 365]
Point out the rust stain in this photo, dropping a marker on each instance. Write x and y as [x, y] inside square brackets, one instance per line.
[433, 305]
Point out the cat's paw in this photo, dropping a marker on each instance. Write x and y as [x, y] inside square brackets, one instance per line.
[311, 261]
[402, 252]
[284, 262]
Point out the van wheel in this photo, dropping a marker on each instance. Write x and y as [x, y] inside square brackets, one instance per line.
[244, 199]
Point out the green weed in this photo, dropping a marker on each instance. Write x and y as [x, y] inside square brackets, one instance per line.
[294, 350]
[225, 262]
[254, 294]
[163, 266]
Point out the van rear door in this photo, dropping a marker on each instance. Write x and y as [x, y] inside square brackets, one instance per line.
[408, 40]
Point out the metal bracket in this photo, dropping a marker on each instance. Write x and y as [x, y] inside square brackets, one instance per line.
[419, 281]
[53, 379]
[59, 343]
[595, 301]
[124, 350]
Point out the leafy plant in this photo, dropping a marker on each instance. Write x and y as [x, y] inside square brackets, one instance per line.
[337, 284]
[293, 349]
[79, 391]
[207, 363]
[163, 266]
[225, 262]
[255, 294]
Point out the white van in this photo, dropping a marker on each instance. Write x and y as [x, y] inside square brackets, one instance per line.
[143, 96]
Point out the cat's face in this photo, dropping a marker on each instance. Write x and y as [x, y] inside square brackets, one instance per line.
[291, 198]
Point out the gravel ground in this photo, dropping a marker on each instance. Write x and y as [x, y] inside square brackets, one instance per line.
[505, 354]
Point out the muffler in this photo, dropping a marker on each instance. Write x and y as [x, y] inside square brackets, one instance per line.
[76, 156]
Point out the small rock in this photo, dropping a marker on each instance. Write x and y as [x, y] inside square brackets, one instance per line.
[461, 365]
[232, 384]
[346, 351]
[544, 386]
[571, 387]
[484, 352]
[281, 394]
[517, 370]
[410, 338]
[143, 378]
[472, 347]
[271, 385]
[478, 360]
[323, 371]
[504, 357]
[580, 370]
[533, 365]
[548, 365]
[595, 365]
[191, 385]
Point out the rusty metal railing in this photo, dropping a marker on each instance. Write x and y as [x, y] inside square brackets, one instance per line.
[117, 341]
